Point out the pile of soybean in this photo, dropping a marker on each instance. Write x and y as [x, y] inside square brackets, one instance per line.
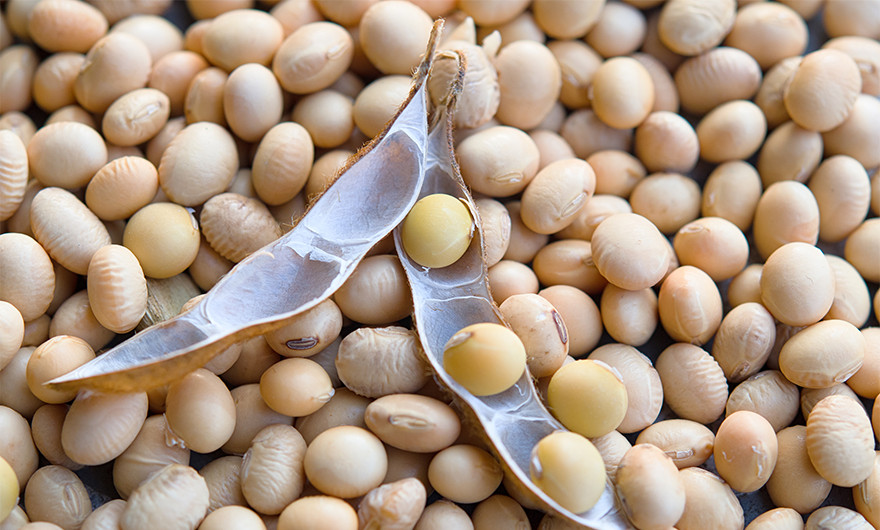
[679, 179]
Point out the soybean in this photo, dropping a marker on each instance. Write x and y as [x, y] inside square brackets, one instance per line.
[569, 469]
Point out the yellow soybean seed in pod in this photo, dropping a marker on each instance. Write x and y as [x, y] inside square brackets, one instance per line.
[485, 358]
[588, 397]
[9, 497]
[437, 231]
[568, 468]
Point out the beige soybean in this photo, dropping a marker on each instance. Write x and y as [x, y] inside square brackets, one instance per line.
[665, 92]
[777, 519]
[164, 237]
[863, 249]
[66, 154]
[396, 505]
[567, 19]
[858, 134]
[75, 317]
[823, 90]
[786, 213]
[569, 469]
[530, 80]
[117, 288]
[295, 387]
[790, 153]
[620, 30]
[54, 78]
[172, 75]
[686, 442]
[732, 192]
[588, 397]
[251, 416]
[376, 362]
[823, 354]
[223, 478]
[378, 102]
[481, 92]
[28, 279]
[376, 293]
[495, 223]
[795, 482]
[19, 123]
[836, 517]
[313, 57]
[617, 172]
[324, 172]
[492, 13]
[346, 462]
[745, 450]
[413, 423]
[147, 454]
[122, 187]
[689, 305]
[768, 32]
[200, 411]
[242, 36]
[689, 27]
[136, 117]
[865, 380]
[65, 286]
[17, 66]
[668, 200]
[843, 193]
[56, 495]
[406, 464]
[105, 516]
[307, 333]
[866, 53]
[282, 163]
[272, 473]
[840, 441]
[464, 473]
[17, 447]
[13, 173]
[578, 63]
[232, 517]
[36, 331]
[542, 330]
[648, 483]
[622, 93]
[569, 262]
[444, 515]
[710, 503]
[717, 76]
[811, 396]
[77, 114]
[594, 212]
[391, 36]
[507, 278]
[667, 142]
[521, 27]
[630, 251]
[175, 498]
[57, 26]
[856, 19]
[644, 390]
[318, 511]
[99, 427]
[865, 496]
[117, 64]
[156, 147]
[236, 226]
[797, 284]
[192, 38]
[611, 447]
[204, 97]
[586, 134]
[293, 15]
[255, 358]
[54, 358]
[327, 116]
[200, 162]
[714, 245]
[630, 317]
[344, 408]
[524, 243]
[498, 161]
[694, 385]
[554, 196]
[744, 341]
[159, 34]
[770, 94]
[732, 131]
[13, 328]
[581, 315]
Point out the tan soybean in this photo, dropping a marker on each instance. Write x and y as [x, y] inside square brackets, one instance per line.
[164, 237]
[836, 517]
[175, 498]
[644, 391]
[136, 117]
[99, 427]
[309, 332]
[554, 196]
[569, 262]
[54, 358]
[770, 94]
[498, 161]
[714, 245]
[28, 278]
[790, 153]
[732, 131]
[630, 251]
[17, 446]
[375, 362]
[840, 441]
[318, 511]
[496, 224]
[580, 314]
[117, 64]
[863, 249]
[611, 447]
[378, 102]
[313, 57]
[823, 354]
[858, 134]
[172, 75]
[745, 450]
[689, 305]
[524, 244]
[787, 212]
[717, 76]
[413, 423]
[272, 474]
[620, 30]
[578, 63]
[689, 27]
[768, 32]
[391, 36]
[282, 163]
[57, 26]
[122, 187]
[542, 330]
[778, 519]
[507, 278]
[630, 317]
[376, 293]
[236, 226]
[823, 90]
[795, 483]
[686, 442]
[744, 340]
[200, 162]
[75, 317]
[344, 408]
[530, 80]
[710, 503]
[732, 192]
[694, 385]
[223, 478]
[295, 387]
[117, 288]
[617, 173]
[66, 154]
[586, 134]
[145, 455]
[464, 473]
[13, 328]
[56, 495]
[769, 394]
[667, 142]
[242, 36]
[159, 34]
[797, 284]
[650, 488]
[865, 380]
[17, 66]
[200, 411]
[252, 101]
[54, 78]
[346, 462]
[622, 93]
[204, 97]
